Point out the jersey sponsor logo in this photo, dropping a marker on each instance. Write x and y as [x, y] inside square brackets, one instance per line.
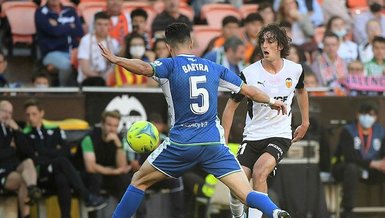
[130, 108]
[192, 59]
[157, 63]
[195, 125]
[282, 98]
[195, 67]
[261, 83]
[357, 143]
[289, 83]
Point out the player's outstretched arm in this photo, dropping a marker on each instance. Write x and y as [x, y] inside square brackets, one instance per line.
[133, 65]
[257, 95]
[303, 103]
[227, 117]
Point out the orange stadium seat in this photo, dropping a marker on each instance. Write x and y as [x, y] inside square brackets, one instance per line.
[358, 10]
[357, 3]
[248, 9]
[88, 9]
[187, 11]
[202, 35]
[21, 17]
[214, 13]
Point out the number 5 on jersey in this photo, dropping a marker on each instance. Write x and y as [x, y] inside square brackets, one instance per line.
[195, 92]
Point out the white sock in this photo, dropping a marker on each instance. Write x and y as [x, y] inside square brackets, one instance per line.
[255, 213]
[236, 207]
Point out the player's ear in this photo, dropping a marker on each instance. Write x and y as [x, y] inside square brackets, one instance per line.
[169, 48]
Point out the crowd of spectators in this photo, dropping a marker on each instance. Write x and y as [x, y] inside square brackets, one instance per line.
[330, 36]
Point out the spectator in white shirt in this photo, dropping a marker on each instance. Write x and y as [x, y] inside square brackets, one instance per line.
[91, 62]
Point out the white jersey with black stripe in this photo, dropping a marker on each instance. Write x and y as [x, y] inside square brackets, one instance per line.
[261, 121]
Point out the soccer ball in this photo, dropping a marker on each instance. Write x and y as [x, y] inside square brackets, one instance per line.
[142, 137]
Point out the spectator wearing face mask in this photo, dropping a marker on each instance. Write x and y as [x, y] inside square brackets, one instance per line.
[136, 49]
[41, 80]
[347, 50]
[361, 20]
[360, 155]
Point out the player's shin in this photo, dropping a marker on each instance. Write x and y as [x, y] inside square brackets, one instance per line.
[129, 203]
[236, 207]
[262, 202]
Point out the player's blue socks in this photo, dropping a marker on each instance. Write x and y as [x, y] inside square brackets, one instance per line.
[262, 202]
[129, 203]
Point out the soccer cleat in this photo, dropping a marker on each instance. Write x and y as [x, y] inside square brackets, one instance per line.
[281, 214]
[95, 202]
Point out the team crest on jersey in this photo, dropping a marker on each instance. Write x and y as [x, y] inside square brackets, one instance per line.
[289, 83]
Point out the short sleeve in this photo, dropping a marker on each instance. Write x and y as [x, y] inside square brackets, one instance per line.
[162, 67]
[87, 145]
[238, 97]
[84, 46]
[301, 83]
[230, 80]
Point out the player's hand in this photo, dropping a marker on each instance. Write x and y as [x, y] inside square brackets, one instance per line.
[279, 106]
[107, 54]
[300, 132]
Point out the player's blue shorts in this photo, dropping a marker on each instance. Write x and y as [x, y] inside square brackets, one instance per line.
[173, 160]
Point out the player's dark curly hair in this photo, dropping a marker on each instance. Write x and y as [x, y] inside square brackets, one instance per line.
[278, 34]
[177, 33]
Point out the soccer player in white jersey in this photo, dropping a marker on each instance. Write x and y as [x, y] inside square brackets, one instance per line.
[267, 135]
[190, 85]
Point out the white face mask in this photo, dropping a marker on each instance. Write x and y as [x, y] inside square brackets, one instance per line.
[366, 120]
[341, 33]
[41, 86]
[137, 51]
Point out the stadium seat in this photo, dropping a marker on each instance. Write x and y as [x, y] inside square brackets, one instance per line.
[214, 13]
[202, 35]
[358, 10]
[21, 17]
[88, 9]
[130, 6]
[357, 3]
[187, 11]
[248, 9]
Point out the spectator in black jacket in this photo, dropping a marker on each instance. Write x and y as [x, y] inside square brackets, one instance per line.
[360, 154]
[50, 153]
[58, 31]
[16, 175]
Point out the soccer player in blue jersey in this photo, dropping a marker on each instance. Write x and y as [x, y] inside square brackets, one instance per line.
[190, 85]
